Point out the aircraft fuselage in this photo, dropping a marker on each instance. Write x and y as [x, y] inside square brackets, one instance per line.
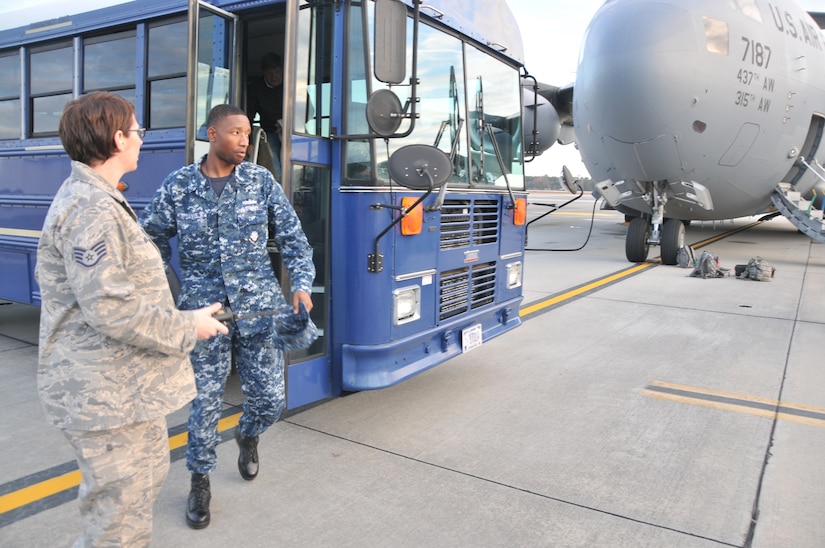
[723, 94]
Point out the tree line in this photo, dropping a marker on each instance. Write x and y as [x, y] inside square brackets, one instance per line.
[546, 182]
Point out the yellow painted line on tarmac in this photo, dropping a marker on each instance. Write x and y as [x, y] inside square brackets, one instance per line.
[52, 486]
[179, 440]
[41, 490]
[739, 403]
[724, 235]
[592, 286]
[597, 284]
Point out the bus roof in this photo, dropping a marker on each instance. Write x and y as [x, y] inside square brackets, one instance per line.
[494, 26]
[13, 15]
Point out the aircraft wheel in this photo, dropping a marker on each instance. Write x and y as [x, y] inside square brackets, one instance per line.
[636, 244]
[673, 237]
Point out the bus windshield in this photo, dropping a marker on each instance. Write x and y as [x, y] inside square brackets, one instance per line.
[468, 101]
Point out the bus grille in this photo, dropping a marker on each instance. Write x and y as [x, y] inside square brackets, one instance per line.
[465, 289]
[469, 222]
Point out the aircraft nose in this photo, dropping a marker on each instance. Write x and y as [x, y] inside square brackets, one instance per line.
[635, 84]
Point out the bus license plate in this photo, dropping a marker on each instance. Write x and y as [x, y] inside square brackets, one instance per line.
[470, 338]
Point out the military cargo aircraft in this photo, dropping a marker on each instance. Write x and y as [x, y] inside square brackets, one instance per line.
[697, 110]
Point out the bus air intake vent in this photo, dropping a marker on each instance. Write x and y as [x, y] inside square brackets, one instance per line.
[465, 289]
[483, 285]
[485, 222]
[469, 222]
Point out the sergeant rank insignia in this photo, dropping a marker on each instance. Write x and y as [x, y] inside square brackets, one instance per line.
[90, 257]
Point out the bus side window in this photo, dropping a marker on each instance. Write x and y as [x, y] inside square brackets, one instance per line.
[10, 96]
[166, 74]
[51, 76]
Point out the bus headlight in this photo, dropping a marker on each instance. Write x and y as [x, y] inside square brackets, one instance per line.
[513, 275]
[406, 304]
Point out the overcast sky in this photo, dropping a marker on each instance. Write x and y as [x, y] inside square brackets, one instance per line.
[552, 33]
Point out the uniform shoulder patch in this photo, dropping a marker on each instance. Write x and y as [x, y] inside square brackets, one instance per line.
[91, 256]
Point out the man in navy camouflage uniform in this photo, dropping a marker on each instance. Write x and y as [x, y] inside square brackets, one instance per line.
[222, 210]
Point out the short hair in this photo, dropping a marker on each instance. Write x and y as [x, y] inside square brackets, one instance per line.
[271, 61]
[220, 112]
[88, 125]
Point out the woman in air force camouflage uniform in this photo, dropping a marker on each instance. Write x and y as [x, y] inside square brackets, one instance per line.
[113, 350]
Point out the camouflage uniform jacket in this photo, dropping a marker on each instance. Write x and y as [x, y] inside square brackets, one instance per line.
[222, 240]
[113, 348]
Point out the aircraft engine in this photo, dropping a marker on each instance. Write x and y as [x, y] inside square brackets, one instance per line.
[540, 115]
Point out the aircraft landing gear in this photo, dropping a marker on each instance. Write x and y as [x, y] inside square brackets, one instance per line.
[673, 237]
[639, 239]
[654, 229]
[637, 242]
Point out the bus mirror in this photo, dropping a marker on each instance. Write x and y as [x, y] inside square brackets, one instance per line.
[384, 112]
[420, 167]
[570, 182]
[390, 41]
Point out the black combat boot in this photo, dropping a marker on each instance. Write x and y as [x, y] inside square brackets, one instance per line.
[197, 510]
[248, 459]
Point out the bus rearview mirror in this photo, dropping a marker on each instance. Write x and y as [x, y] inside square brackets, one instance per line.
[570, 182]
[390, 41]
[420, 167]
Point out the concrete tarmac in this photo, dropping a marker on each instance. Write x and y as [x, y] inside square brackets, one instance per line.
[648, 408]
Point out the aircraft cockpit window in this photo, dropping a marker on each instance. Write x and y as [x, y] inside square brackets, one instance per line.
[750, 9]
[717, 35]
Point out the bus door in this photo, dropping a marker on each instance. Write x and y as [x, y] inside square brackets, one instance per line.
[212, 70]
[307, 166]
[215, 75]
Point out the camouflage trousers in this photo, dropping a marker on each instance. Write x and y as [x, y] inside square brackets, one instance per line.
[123, 471]
[260, 366]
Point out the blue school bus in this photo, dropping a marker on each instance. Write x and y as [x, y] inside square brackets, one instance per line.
[402, 151]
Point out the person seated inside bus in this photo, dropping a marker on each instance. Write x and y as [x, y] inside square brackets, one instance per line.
[265, 99]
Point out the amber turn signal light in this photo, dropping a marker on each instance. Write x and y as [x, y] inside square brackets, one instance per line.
[413, 220]
[520, 213]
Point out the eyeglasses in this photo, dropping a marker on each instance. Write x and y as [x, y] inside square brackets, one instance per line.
[141, 131]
